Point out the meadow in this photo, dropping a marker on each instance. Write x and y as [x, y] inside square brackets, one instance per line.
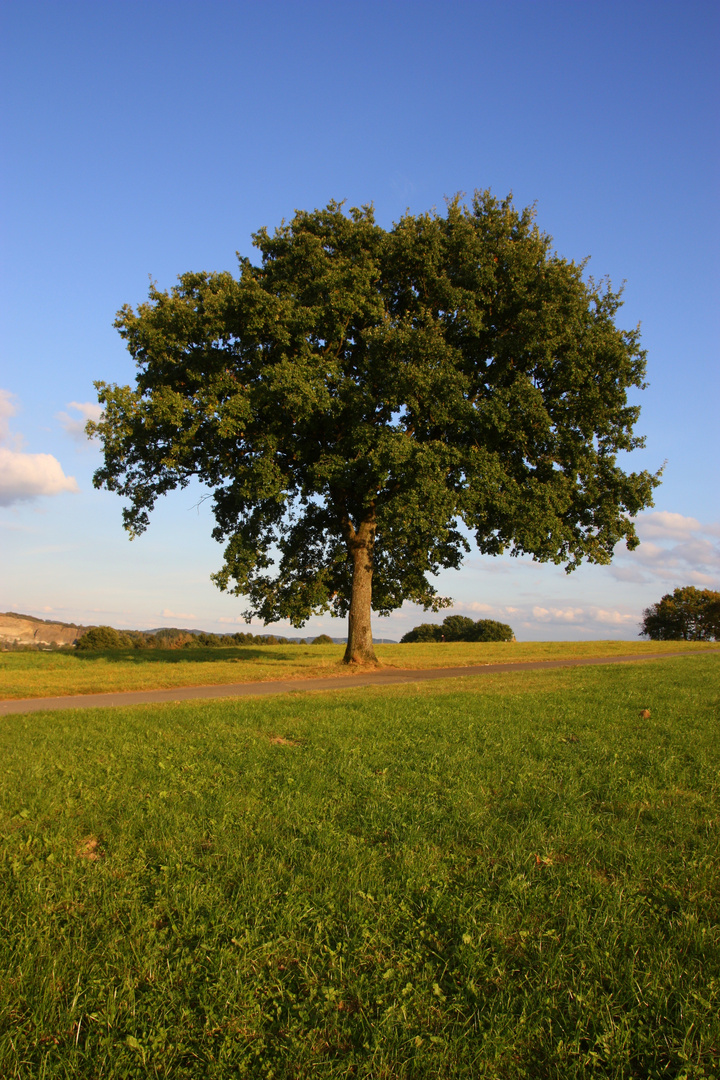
[517, 876]
[46, 674]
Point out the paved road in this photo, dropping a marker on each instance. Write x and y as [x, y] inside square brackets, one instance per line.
[383, 677]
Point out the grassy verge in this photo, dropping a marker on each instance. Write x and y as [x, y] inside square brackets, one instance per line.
[519, 879]
[24, 675]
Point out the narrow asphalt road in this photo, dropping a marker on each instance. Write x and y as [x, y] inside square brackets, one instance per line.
[383, 677]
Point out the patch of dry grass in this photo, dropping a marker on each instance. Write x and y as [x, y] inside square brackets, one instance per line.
[463, 654]
[37, 674]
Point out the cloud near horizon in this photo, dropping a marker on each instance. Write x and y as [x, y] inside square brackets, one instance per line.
[674, 550]
[24, 476]
[584, 619]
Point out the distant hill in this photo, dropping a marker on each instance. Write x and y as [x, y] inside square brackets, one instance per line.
[16, 629]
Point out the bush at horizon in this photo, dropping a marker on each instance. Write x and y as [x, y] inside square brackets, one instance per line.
[459, 628]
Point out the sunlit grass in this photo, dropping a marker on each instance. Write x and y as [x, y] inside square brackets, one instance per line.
[43, 674]
[515, 879]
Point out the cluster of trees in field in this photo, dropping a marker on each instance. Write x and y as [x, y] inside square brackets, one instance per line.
[100, 638]
[460, 628]
[687, 614]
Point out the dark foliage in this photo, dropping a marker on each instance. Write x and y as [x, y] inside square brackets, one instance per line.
[687, 614]
[460, 628]
[104, 637]
[424, 632]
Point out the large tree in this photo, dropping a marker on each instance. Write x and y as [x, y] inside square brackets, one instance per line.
[362, 394]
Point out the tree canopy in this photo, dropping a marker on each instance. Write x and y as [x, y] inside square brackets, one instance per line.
[363, 393]
[687, 614]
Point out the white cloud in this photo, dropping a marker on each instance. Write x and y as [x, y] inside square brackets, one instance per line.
[26, 476]
[628, 573]
[663, 525]
[649, 553]
[178, 614]
[613, 618]
[74, 426]
[563, 615]
[474, 605]
[674, 550]
[581, 618]
[8, 409]
[695, 577]
[578, 620]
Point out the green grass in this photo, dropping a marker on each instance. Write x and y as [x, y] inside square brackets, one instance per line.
[45, 674]
[509, 877]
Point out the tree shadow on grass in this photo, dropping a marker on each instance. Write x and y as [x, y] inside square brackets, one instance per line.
[238, 655]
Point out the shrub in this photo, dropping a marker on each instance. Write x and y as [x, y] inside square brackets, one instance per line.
[491, 630]
[460, 628]
[424, 632]
[322, 639]
[103, 637]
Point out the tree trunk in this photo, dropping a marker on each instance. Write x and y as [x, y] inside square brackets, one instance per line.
[360, 644]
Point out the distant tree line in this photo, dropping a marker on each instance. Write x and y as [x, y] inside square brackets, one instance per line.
[687, 614]
[100, 638]
[16, 645]
[460, 628]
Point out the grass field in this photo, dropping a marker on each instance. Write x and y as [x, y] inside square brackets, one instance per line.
[46, 674]
[518, 878]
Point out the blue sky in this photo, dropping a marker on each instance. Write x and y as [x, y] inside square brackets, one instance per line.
[153, 138]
